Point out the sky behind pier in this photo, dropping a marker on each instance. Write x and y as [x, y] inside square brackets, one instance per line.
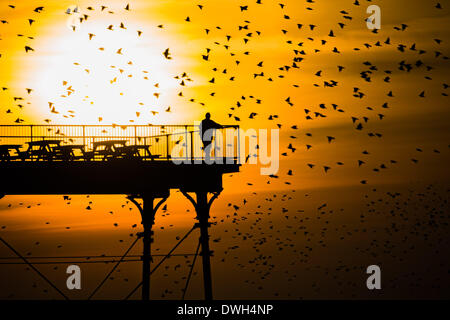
[362, 116]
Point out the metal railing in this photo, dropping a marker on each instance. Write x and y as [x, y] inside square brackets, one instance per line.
[168, 142]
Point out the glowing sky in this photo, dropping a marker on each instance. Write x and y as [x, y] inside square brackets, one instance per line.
[83, 92]
[250, 55]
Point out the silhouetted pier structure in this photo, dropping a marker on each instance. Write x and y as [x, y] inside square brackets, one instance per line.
[143, 162]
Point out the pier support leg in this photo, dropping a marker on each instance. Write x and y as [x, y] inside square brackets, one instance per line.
[203, 217]
[148, 212]
[148, 219]
[202, 207]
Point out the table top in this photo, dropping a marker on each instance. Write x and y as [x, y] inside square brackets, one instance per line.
[72, 146]
[10, 146]
[141, 146]
[109, 142]
[44, 142]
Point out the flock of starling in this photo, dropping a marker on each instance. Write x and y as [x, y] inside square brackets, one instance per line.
[281, 242]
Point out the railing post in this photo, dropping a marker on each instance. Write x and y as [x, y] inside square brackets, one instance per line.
[167, 146]
[186, 141]
[192, 146]
[84, 135]
[135, 135]
[31, 133]
[238, 145]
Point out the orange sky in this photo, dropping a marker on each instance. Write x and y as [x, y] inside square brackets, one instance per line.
[83, 92]
[410, 121]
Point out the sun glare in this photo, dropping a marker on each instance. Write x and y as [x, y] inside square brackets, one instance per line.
[114, 75]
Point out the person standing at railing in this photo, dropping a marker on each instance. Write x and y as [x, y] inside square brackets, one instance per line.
[206, 133]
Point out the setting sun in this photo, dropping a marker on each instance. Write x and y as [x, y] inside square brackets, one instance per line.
[105, 73]
[304, 142]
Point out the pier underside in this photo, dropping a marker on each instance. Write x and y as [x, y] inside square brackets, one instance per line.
[110, 177]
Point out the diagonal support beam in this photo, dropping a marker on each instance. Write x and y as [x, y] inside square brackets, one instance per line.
[33, 267]
[163, 259]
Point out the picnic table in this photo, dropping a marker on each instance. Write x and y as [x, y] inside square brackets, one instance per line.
[41, 149]
[6, 152]
[69, 152]
[118, 149]
[141, 151]
[53, 150]
[107, 149]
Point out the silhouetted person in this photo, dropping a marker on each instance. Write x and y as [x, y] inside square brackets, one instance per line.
[207, 124]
